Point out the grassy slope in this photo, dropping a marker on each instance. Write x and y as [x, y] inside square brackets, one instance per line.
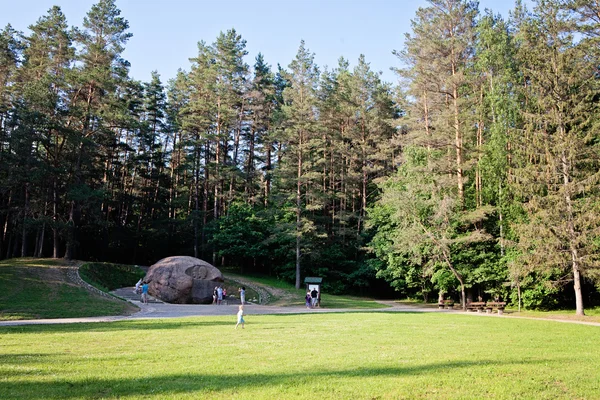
[313, 356]
[39, 288]
[109, 276]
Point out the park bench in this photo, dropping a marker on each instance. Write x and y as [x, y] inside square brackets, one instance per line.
[446, 304]
[478, 306]
[495, 305]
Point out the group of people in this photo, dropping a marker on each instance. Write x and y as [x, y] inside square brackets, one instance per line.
[220, 293]
[141, 287]
[313, 298]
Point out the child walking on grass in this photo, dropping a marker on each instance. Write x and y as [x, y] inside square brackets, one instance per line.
[240, 317]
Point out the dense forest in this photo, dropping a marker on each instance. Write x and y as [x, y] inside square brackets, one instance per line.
[476, 174]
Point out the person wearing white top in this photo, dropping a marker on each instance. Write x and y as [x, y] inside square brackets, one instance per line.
[219, 295]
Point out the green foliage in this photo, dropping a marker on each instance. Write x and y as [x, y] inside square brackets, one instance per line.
[539, 296]
[242, 235]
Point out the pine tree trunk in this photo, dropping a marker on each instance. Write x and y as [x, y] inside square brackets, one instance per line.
[478, 175]
[55, 219]
[248, 190]
[363, 204]
[40, 241]
[268, 174]
[36, 249]
[298, 212]
[566, 171]
[25, 214]
[10, 250]
[5, 225]
[172, 185]
[70, 233]
[501, 219]
[519, 294]
[205, 191]
[196, 198]
[427, 127]
[458, 145]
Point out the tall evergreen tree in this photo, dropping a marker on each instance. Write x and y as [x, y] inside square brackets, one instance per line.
[101, 72]
[560, 179]
[198, 121]
[231, 88]
[261, 106]
[438, 55]
[45, 75]
[300, 105]
[10, 60]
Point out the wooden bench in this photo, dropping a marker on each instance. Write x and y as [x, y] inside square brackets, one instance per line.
[495, 305]
[446, 304]
[478, 306]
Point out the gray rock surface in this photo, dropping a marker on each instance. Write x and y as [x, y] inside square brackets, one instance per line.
[183, 280]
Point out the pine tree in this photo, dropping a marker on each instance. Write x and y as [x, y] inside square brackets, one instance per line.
[300, 102]
[231, 88]
[98, 79]
[261, 106]
[48, 60]
[438, 55]
[156, 140]
[559, 182]
[198, 121]
[10, 59]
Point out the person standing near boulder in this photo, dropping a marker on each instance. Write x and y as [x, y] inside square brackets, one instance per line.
[219, 295]
[242, 291]
[145, 292]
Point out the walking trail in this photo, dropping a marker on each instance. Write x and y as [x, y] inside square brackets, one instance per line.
[158, 309]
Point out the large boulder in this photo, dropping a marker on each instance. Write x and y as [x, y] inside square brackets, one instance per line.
[183, 280]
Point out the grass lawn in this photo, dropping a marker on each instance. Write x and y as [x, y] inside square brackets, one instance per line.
[39, 288]
[366, 355]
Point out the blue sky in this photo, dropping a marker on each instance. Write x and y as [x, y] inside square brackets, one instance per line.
[166, 32]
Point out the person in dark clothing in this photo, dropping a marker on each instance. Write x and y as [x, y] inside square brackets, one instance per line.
[314, 294]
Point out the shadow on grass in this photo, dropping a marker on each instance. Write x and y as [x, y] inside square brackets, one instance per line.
[24, 358]
[172, 385]
[115, 326]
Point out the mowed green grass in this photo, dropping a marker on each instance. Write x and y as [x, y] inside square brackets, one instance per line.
[39, 288]
[363, 355]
